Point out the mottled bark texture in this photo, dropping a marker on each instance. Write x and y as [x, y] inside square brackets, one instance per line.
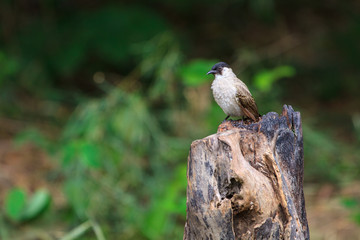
[246, 181]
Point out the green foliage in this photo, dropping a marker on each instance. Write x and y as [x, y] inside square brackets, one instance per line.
[19, 209]
[15, 204]
[159, 59]
[356, 123]
[89, 154]
[120, 146]
[330, 159]
[353, 205]
[82, 228]
[37, 204]
[319, 147]
[77, 232]
[77, 195]
[109, 31]
[263, 8]
[35, 137]
[132, 135]
[193, 73]
[169, 200]
[350, 202]
[264, 79]
[118, 140]
[8, 67]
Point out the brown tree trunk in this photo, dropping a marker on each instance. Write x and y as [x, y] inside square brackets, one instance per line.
[246, 181]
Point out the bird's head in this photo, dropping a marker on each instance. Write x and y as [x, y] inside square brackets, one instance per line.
[218, 68]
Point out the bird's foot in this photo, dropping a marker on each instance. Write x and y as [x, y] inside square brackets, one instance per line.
[244, 120]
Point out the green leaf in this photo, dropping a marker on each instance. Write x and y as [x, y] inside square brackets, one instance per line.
[265, 78]
[15, 203]
[194, 73]
[350, 203]
[356, 218]
[77, 192]
[89, 155]
[37, 204]
[69, 153]
[168, 201]
[33, 136]
[8, 67]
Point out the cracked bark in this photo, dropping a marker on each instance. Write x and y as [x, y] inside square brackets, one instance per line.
[246, 181]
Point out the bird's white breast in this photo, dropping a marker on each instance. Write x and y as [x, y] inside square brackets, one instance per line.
[224, 91]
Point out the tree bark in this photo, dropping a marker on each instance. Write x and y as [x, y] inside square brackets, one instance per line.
[246, 181]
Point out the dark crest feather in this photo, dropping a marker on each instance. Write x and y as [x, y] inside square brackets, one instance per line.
[220, 65]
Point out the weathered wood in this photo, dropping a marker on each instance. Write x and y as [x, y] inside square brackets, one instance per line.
[246, 181]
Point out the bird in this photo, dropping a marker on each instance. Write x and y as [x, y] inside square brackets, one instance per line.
[231, 94]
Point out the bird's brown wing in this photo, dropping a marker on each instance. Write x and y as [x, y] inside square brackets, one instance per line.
[247, 105]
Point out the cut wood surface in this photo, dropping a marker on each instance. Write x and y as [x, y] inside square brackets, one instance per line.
[246, 181]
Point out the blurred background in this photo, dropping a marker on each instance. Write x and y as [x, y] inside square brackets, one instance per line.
[100, 101]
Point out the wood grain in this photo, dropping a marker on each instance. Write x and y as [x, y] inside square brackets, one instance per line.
[245, 182]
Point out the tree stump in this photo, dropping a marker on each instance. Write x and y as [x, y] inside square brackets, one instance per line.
[246, 181]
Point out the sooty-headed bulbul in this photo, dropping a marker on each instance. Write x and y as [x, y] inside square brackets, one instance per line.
[232, 94]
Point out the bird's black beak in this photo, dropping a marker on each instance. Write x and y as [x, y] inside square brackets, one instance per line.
[211, 72]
